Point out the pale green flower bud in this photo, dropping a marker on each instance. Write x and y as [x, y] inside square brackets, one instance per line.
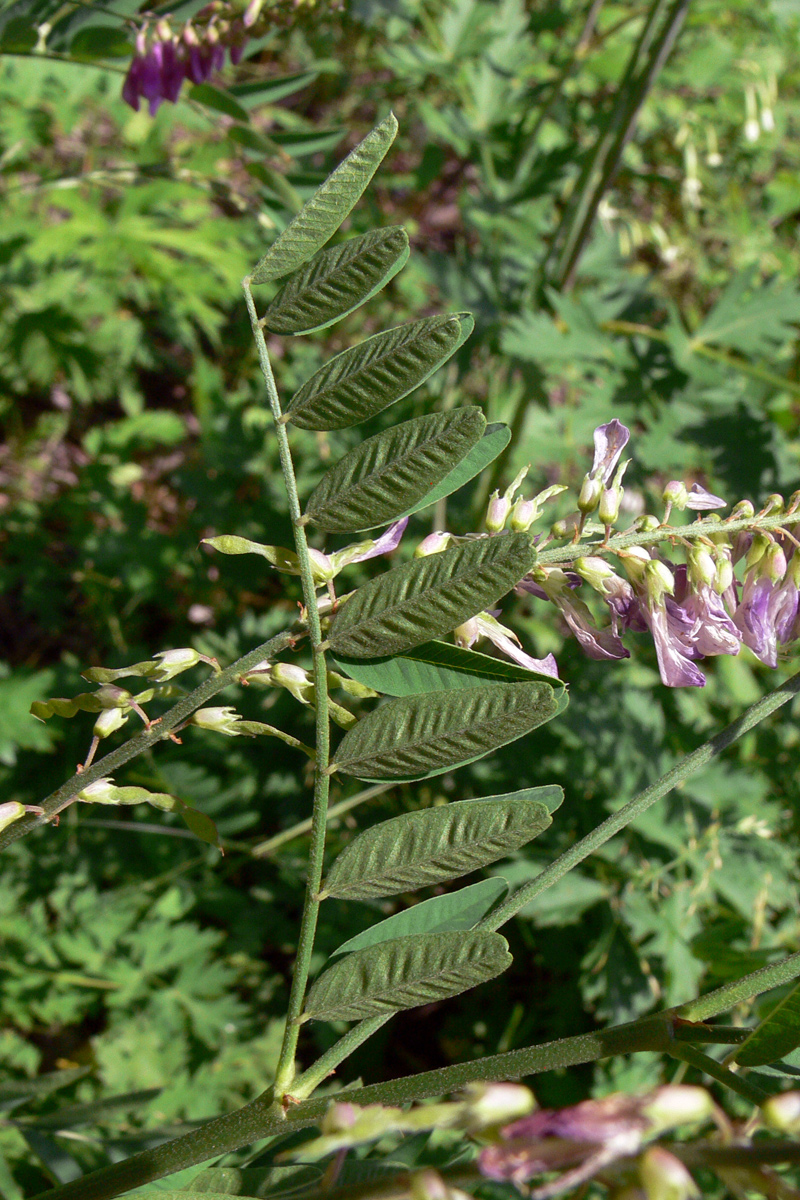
[496, 1104]
[434, 543]
[594, 570]
[12, 810]
[647, 523]
[758, 548]
[658, 580]
[678, 1104]
[497, 513]
[702, 567]
[322, 568]
[295, 679]
[466, 635]
[590, 493]
[608, 508]
[664, 1177]
[783, 1112]
[172, 662]
[742, 511]
[723, 577]
[109, 721]
[523, 514]
[220, 720]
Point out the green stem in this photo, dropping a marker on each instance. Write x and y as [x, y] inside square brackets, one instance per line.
[706, 527]
[634, 808]
[310, 1080]
[285, 1069]
[724, 998]
[63, 796]
[702, 1062]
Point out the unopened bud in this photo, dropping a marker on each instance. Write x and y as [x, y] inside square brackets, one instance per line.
[434, 543]
[109, 721]
[678, 1104]
[496, 1104]
[608, 509]
[296, 680]
[742, 511]
[675, 494]
[723, 577]
[594, 570]
[783, 1112]
[647, 523]
[523, 514]
[220, 720]
[566, 527]
[497, 512]
[774, 564]
[102, 791]
[111, 696]
[322, 568]
[466, 635]
[758, 548]
[658, 580]
[664, 1177]
[701, 566]
[172, 662]
[12, 810]
[590, 493]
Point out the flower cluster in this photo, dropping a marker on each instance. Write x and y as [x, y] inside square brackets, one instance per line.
[693, 609]
[164, 59]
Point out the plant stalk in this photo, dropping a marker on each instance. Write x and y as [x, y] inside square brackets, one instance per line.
[285, 1069]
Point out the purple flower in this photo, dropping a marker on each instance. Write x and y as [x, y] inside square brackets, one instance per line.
[701, 500]
[597, 643]
[609, 442]
[766, 615]
[485, 625]
[173, 70]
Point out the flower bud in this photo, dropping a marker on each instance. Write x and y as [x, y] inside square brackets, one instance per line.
[742, 511]
[675, 494]
[109, 721]
[772, 505]
[296, 680]
[12, 810]
[220, 720]
[758, 548]
[102, 791]
[608, 508]
[434, 543]
[497, 513]
[783, 1112]
[774, 564]
[594, 570]
[664, 1177]
[496, 1104]
[466, 635]
[172, 662]
[678, 1104]
[523, 514]
[322, 568]
[702, 567]
[590, 493]
[111, 696]
[723, 577]
[647, 523]
[659, 581]
[566, 527]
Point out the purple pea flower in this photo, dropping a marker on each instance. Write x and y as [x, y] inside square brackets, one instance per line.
[506, 641]
[602, 644]
[768, 611]
[609, 442]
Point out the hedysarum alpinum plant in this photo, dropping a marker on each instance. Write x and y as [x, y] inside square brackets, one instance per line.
[405, 639]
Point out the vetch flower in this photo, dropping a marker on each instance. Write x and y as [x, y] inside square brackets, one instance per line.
[485, 625]
[654, 584]
[697, 498]
[556, 585]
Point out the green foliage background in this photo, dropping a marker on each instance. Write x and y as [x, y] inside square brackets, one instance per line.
[135, 425]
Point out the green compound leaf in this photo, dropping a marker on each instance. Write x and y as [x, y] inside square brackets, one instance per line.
[454, 910]
[415, 737]
[776, 1036]
[432, 667]
[218, 100]
[337, 281]
[404, 973]
[494, 440]
[374, 374]
[432, 845]
[322, 215]
[427, 597]
[373, 483]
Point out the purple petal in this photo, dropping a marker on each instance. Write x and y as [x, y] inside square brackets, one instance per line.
[700, 500]
[173, 71]
[713, 630]
[609, 442]
[676, 669]
[388, 541]
[131, 88]
[150, 76]
[542, 666]
[600, 644]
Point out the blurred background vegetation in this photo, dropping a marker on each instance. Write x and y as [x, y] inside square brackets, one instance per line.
[621, 215]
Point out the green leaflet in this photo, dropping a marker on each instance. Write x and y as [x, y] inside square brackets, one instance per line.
[494, 440]
[429, 596]
[404, 973]
[322, 215]
[432, 845]
[418, 736]
[218, 100]
[454, 910]
[367, 378]
[776, 1036]
[380, 478]
[431, 667]
[270, 91]
[337, 281]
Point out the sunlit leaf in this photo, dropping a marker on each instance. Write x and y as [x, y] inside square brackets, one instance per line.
[367, 378]
[218, 100]
[427, 597]
[776, 1036]
[454, 910]
[432, 845]
[377, 480]
[493, 441]
[417, 736]
[404, 973]
[269, 91]
[431, 667]
[322, 215]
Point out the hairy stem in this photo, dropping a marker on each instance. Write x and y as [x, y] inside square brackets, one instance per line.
[308, 925]
[702, 1062]
[327, 1063]
[63, 796]
[634, 808]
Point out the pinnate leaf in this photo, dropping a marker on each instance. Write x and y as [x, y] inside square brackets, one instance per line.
[432, 667]
[432, 845]
[404, 973]
[427, 597]
[377, 480]
[494, 440]
[414, 737]
[776, 1036]
[454, 910]
[336, 281]
[322, 215]
[367, 378]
